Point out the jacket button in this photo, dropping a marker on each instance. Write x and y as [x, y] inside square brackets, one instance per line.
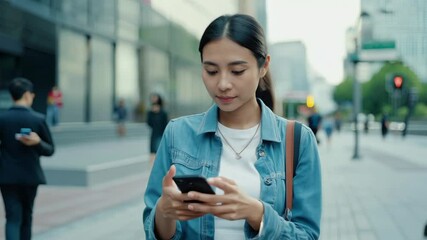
[268, 181]
[261, 153]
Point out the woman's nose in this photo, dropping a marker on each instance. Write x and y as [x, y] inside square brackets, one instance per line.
[224, 82]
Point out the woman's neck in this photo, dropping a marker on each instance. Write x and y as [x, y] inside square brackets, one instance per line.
[241, 118]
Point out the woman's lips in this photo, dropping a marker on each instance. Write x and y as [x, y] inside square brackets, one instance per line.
[226, 99]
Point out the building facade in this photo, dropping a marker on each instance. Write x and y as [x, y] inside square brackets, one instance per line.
[99, 51]
[289, 70]
[405, 22]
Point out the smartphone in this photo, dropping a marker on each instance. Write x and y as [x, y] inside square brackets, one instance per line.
[193, 183]
[25, 131]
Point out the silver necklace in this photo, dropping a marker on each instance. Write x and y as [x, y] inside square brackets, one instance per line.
[238, 156]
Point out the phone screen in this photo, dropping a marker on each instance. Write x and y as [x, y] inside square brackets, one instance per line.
[193, 183]
[25, 131]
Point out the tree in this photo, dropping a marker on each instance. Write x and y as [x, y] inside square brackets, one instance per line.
[375, 95]
[422, 94]
[343, 92]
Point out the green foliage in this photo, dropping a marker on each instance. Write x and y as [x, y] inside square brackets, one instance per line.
[420, 111]
[386, 109]
[402, 112]
[343, 92]
[375, 95]
[422, 93]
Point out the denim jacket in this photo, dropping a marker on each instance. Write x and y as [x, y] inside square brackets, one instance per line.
[191, 145]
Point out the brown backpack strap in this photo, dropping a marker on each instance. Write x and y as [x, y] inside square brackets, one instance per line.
[290, 127]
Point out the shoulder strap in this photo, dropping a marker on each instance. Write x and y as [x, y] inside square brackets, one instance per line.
[293, 135]
[297, 138]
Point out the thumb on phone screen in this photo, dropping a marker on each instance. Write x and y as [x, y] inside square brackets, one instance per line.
[168, 179]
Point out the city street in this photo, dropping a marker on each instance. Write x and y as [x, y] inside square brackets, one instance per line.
[106, 74]
[380, 196]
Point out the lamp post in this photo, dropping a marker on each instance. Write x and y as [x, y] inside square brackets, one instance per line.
[357, 98]
[366, 36]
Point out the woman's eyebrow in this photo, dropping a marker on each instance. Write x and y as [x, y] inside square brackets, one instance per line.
[209, 63]
[239, 62]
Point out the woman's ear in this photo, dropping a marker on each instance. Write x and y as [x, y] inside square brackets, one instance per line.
[265, 67]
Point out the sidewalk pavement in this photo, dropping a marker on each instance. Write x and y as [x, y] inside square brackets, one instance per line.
[59, 207]
[380, 196]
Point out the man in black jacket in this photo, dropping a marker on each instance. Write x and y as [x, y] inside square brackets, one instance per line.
[24, 137]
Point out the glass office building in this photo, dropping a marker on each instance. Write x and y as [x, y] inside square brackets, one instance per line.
[405, 22]
[98, 51]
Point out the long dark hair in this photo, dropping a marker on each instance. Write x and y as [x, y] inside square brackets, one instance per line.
[247, 32]
[159, 100]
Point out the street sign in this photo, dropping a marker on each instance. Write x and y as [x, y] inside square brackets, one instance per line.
[388, 44]
[378, 51]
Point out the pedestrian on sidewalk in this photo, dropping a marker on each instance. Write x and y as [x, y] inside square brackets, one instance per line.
[24, 137]
[238, 144]
[54, 104]
[338, 121]
[328, 126]
[314, 122]
[157, 119]
[384, 125]
[120, 115]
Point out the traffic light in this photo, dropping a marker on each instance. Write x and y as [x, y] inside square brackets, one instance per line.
[309, 101]
[398, 81]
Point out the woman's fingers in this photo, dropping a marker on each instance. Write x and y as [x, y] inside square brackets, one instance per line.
[226, 211]
[225, 184]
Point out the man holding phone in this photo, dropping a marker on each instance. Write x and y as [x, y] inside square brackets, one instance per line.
[24, 137]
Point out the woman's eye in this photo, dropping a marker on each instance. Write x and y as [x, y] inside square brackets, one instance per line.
[238, 72]
[211, 73]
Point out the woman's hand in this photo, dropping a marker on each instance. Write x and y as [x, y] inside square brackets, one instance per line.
[171, 207]
[171, 204]
[233, 205]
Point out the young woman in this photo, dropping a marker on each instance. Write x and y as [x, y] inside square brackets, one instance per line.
[238, 145]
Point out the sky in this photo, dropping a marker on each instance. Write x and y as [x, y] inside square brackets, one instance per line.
[320, 25]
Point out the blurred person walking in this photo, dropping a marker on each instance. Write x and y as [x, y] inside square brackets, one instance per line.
[24, 137]
[239, 145]
[157, 119]
[120, 116]
[328, 127]
[54, 104]
[384, 125]
[338, 121]
[366, 125]
[314, 122]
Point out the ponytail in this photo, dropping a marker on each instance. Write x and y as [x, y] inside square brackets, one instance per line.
[265, 91]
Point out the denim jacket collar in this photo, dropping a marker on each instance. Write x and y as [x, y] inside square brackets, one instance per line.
[269, 129]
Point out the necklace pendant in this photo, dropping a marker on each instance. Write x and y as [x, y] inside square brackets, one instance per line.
[238, 156]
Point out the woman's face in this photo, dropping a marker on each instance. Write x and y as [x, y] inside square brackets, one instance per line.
[231, 74]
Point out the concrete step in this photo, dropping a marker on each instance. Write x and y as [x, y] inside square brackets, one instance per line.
[95, 174]
[72, 133]
[92, 155]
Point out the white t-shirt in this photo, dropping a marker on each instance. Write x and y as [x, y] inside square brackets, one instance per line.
[242, 171]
